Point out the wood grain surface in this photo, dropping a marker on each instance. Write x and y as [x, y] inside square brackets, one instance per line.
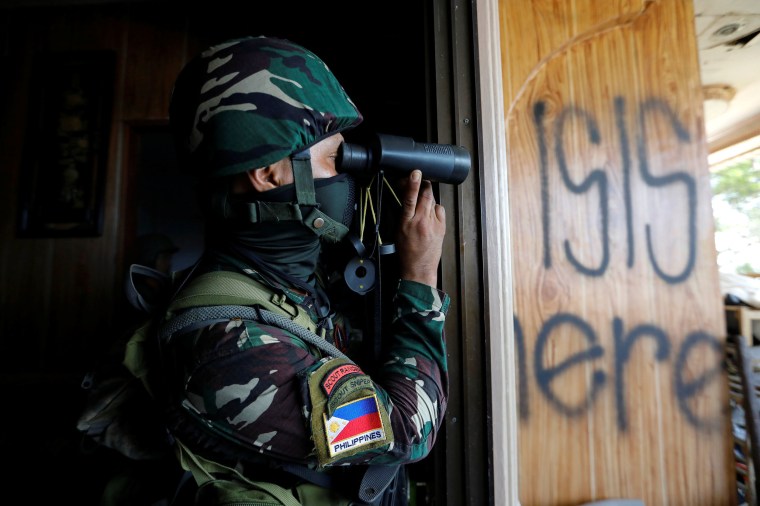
[619, 322]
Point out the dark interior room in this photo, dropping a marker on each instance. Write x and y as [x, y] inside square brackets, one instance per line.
[62, 287]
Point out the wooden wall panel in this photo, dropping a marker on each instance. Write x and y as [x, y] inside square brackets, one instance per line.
[75, 282]
[48, 276]
[619, 321]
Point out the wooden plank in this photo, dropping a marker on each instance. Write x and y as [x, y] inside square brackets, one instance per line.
[619, 320]
[497, 259]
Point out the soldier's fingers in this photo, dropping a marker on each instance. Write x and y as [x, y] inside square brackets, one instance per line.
[440, 213]
[426, 199]
[410, 195]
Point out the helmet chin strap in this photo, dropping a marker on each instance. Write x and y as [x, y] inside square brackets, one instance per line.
[306, 198]
[305, 209]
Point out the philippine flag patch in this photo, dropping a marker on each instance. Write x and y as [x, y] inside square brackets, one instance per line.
[353, 425]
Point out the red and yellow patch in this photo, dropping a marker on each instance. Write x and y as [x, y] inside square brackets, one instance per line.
[335, 375]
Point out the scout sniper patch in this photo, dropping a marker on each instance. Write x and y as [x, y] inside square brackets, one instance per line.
[346, 416]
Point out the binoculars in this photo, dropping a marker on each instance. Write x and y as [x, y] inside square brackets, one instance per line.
[443, 163]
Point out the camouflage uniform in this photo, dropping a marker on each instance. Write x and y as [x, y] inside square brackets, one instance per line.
[243, 393]
[268, 390]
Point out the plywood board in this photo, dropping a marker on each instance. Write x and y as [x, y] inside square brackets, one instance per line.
[619, 322]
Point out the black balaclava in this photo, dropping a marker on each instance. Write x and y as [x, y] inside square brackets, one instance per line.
[288, 245]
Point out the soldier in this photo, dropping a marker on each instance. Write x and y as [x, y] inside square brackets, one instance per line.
[253, 405]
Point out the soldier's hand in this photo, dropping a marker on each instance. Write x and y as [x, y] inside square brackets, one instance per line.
[421, 231]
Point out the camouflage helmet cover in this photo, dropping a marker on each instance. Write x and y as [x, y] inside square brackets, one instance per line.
[250, 102]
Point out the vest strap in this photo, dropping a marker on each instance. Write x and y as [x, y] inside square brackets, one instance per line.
[220, 288]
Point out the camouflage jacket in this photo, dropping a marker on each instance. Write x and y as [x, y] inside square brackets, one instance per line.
[244, 389]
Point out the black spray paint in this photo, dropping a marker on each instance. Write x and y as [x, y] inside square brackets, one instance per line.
[623, 340]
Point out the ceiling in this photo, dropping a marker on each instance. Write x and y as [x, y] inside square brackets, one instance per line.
[728, 34]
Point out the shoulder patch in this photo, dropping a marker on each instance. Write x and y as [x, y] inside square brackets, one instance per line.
[346, 417]
[354, 425]
[336, 374]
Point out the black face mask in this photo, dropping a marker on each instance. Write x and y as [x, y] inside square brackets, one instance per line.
[289, 245]
[335, 195]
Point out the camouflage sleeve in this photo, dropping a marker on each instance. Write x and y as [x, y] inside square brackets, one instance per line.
[238, 380]
[413, 381]
[262, 387]
[393, 417]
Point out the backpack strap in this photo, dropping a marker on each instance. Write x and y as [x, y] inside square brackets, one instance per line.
[218, 288]
[194, 318]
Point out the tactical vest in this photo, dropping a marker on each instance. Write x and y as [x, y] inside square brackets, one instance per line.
[219, 296]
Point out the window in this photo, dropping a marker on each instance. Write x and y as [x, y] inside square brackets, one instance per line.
[735, 181]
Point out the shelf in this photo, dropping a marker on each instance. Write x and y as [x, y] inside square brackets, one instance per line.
[745, 316]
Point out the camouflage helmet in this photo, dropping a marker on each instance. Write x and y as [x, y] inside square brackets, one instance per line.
[250, 102]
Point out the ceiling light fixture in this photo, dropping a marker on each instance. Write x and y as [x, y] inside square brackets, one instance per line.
[717, 98]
